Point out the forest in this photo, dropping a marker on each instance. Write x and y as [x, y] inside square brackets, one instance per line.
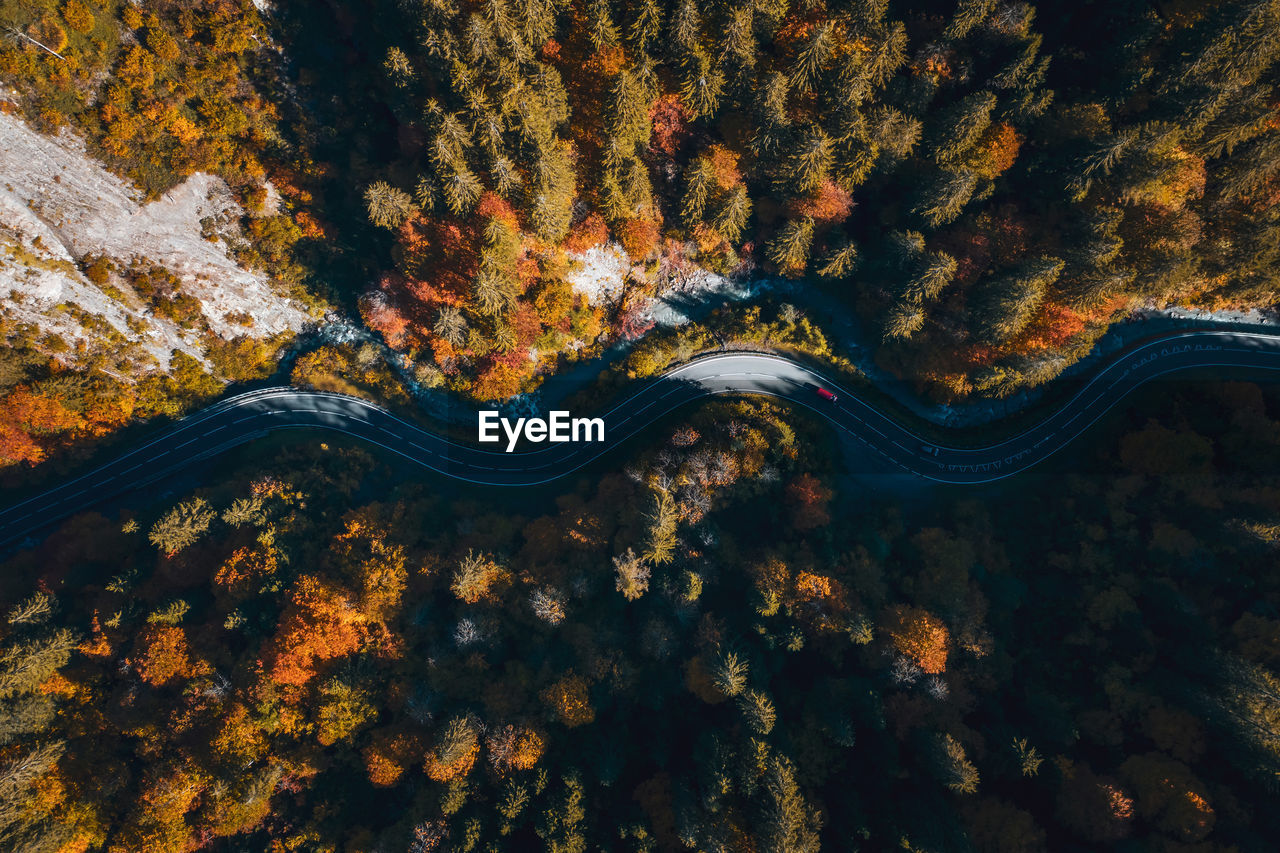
[721, 639]
[986, 185]
[157, 93]
[983, 187]
[313, 653]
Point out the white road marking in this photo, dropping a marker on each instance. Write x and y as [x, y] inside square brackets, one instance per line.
[1095, 392]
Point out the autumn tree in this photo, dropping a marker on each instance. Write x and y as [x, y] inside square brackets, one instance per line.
[758, 711]
[632, 573]
[165, 656]
[919, 636]
[1005, 305]
[952, 766]
[569, 700]
[808, 498]
[457, 746]
[730, 673]
[478, 577]
[790, 823]
[388, 206]
[320, 623]
[660, 547]
[1096, 808]
[182, 526]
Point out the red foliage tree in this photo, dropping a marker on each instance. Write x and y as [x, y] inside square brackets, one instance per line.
[379, 311]
[808, 499]
[670, 125]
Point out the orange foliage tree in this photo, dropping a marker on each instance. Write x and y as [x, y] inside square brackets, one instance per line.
[998, 150]
[165, 656]
[246, 568]
[455, 752]
[920, 636]
[25, 417]
[569, 700]
[820, 597]
[513, 748]
[388, 756]
[321, 623]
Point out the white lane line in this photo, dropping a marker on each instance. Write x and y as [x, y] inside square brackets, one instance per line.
[1097, 382]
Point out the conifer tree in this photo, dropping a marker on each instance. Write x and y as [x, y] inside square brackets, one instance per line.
[388, 207]
[1004, 305]
[789, 249]
[790, 824]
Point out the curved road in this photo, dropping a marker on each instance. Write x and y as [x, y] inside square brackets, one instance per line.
[237, 420]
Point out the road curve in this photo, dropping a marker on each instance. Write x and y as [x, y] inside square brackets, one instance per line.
[239, 419]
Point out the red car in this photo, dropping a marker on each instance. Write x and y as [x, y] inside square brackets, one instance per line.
[827, 395]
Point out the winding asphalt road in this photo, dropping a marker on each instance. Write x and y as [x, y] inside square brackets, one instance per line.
[240, 419]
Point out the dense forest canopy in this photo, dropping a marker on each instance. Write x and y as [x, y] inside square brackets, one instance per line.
[985, 213]
[985, 186]
[297, 658]
[719, 643]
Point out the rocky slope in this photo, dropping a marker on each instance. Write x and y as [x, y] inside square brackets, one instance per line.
[59, 207]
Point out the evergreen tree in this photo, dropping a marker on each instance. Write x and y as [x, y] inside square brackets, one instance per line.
[182, 526]
[790, 825]
[451, 325]
[789, 249]
[936, 274]
[839, 262]
[663, 519]
[732, 219]
[812, 58]
[1003, 306]
[969, 14]
[702, 85]
[960, 127]
[952, 766]
[388, 207]
[944, 201]
[758, 711]
[730, 673]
